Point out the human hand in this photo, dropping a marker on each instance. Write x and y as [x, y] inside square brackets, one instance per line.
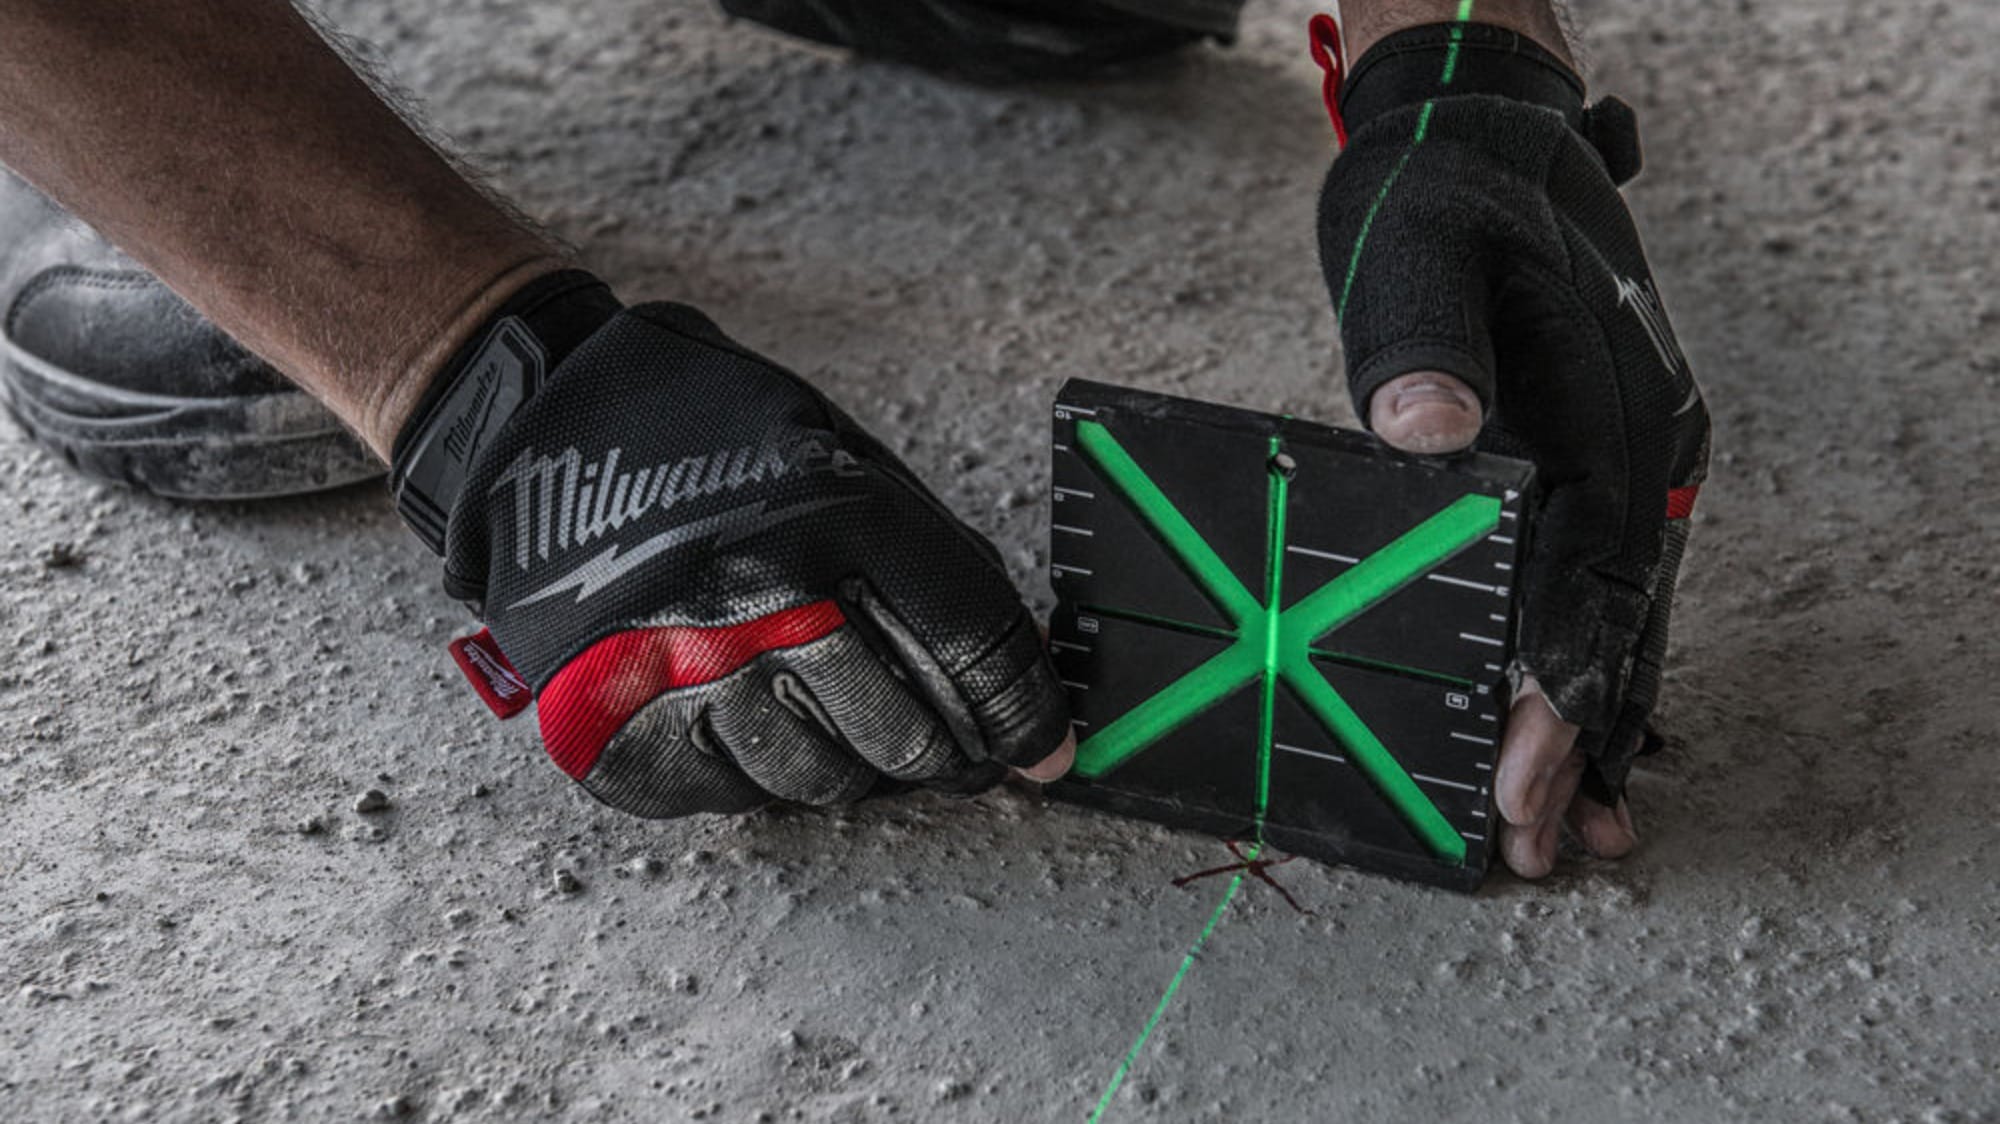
[1493, 292]
[719, 589]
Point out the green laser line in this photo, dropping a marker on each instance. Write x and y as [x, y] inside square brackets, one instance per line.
[1167, 997]
[1270, 643]
[1158, 622]
[1296, 629]
[1423, 128]
[1294, 665]
[1275, 644]
[1343, 658]
[1274, 562]
[1457, 38]
[1274, 553]
[1367, 222]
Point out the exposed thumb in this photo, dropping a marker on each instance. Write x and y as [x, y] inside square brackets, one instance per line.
[1426, 412]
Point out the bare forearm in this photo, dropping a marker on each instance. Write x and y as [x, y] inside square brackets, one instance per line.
[1364, 22]
[225, 146]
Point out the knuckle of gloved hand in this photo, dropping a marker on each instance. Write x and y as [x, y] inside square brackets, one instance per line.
[808, 779]
[782, 753]
[1579, 640]
[1017, 700]
[928, 755]
[662, 765]
[840, 685]
[913, 746]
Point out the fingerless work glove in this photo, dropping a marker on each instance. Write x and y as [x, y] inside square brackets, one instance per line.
[1473, 225]
[718, 589]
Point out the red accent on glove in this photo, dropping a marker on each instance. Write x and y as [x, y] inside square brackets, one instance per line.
[1680, 501]
[498, 684]
[596, 693]
[1324, 34]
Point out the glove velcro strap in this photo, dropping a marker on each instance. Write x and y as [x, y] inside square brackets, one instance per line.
[1454, 59]
[492, 374]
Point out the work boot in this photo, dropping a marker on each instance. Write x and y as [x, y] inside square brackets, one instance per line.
[107, 368]
[1001, 40]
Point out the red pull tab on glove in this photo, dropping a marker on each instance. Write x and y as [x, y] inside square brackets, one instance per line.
[1325, 36]
[502, 688]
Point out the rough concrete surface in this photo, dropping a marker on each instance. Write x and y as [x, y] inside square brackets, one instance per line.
[203, 918]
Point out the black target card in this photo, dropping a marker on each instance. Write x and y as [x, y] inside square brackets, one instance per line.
[1283, 632]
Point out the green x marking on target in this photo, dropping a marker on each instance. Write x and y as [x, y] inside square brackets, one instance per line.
[1271, 645]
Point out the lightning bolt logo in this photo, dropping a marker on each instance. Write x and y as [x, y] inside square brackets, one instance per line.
[1644, 301]
[727, 527]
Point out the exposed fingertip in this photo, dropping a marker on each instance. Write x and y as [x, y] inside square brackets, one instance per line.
[1521, 848]
[1427, 412]
[1055, 764]
[1608, 832]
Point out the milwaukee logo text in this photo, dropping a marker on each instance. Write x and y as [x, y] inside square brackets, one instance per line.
[563, 501]
[458, 441]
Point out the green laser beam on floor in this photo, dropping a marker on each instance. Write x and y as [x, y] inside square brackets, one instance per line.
[1271, 646]
[1291, 653]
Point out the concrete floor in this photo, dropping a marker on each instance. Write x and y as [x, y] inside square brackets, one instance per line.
[1808, 933]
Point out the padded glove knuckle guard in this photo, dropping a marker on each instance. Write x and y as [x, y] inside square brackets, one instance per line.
[1473, 226]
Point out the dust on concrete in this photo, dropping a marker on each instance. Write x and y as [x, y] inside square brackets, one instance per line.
[207, 916]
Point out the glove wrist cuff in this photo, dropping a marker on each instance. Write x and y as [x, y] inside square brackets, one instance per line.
[497, 370]
[1454, 59]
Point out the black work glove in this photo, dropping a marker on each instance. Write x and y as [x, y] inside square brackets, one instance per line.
[1473, 226]
[719, 589]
